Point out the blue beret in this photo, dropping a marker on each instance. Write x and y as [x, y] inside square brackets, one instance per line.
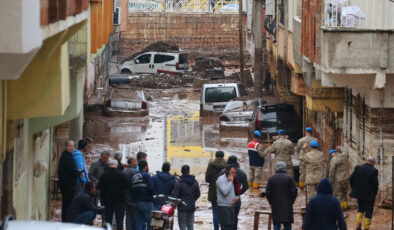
[314, 144]
[281, 131]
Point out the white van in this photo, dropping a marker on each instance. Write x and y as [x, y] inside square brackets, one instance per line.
[214, 97]
[156, 62]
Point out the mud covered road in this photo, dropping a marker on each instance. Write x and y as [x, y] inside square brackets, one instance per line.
[173, 131]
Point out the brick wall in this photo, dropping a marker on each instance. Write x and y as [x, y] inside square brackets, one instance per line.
[201, 30]
[312, 17]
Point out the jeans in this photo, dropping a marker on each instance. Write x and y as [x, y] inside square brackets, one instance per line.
[186, 220]
[286, 226]
[215, 216]
[130, 217]
[86, 218]
[118, 209]
[67, 196]
[142, 214]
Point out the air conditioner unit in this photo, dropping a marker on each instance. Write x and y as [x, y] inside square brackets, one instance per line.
[117, 16]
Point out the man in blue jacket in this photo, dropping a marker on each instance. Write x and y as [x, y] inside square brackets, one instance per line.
[142, 196]
[163, 183]
[324, 211]
[79, 159]
[188, 191]
[83, 208]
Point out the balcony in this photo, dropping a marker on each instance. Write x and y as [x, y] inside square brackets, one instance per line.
[359, 14]
[357, 37]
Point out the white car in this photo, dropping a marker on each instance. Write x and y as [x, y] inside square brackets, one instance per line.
[238, 113]
[45, 225]
[214, 97]
[156, 62]
[126, 103]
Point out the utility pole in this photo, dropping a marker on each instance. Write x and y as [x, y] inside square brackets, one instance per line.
[241, 45]
[258, 47]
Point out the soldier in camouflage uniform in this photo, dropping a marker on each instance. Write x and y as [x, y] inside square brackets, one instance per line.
[314, 168]
[300, 150]
[283, 149]
[256, 160]
[339, 175]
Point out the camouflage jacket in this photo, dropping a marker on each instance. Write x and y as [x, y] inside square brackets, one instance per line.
[339, 168]
[300, 145]
[283, 149]
[315, 166]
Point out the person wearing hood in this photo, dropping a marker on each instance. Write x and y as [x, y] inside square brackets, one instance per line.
[188, 191]
[211, 175]
[164, 184]
[79, 159]
[324, 211]
[281, 193]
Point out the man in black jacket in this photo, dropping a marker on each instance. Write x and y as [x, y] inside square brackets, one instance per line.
[365, 185]
[188, 191]
[83, 208]
[281, 194]
[112, 186]
[68, 175]
[130, 171]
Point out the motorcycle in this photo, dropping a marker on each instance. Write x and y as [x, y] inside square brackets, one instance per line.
[164, 219]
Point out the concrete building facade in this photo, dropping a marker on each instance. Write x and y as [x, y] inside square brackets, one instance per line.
[44, 56]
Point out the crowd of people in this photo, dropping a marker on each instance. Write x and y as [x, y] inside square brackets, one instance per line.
[120, 191]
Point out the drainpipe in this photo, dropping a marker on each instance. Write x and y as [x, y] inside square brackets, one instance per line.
[381, 149]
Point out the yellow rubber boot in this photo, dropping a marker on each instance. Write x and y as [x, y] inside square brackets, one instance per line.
[250, 184]
[256, 185]
[367, 223]
[344, 206]
[359, 220]
[301, 184]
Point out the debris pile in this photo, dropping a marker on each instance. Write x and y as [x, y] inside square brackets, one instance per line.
[161, 81]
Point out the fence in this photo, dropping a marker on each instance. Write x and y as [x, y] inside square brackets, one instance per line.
[217, 6]
[359, 14]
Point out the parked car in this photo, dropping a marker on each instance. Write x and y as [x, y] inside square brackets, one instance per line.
[10, 224]
[238, 113]
[214, 97]
[269, 119]
[126, 102]
[156, 62]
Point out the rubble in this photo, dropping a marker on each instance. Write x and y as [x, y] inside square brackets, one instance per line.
[161, 81]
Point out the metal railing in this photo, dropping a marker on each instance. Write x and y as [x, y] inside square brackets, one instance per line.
[217, 6]
[359, 14]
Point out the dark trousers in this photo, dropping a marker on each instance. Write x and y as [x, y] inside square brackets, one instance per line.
[366, 207]
[236, 216]
[215, 216]
[130, 217]
[118, 209]
[67, 196]
[226, 217]
[86, 218]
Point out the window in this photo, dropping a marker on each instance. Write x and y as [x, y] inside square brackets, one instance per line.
[282, 12]
[222, 94]
[159, 58]
[143, 59]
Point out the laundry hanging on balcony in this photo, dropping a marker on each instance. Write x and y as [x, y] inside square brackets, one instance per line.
[350, 16]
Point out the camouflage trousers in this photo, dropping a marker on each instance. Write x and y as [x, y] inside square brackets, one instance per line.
[302, 172]
[340, 190]
[311, 190]
[255, 173]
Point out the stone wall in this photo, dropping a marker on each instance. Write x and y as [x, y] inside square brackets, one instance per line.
[191, 30]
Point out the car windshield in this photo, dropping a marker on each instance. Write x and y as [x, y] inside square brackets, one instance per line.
[281, 118]
[220, 94]
[241, 105]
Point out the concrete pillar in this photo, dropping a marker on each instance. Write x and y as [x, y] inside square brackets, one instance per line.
[76, 127]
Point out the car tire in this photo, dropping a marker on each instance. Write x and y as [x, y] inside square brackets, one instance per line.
[126, 71]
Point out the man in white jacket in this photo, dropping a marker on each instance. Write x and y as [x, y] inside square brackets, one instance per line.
[226, 198]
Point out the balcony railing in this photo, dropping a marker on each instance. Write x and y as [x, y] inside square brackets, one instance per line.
[359, 14]
[217, 6]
